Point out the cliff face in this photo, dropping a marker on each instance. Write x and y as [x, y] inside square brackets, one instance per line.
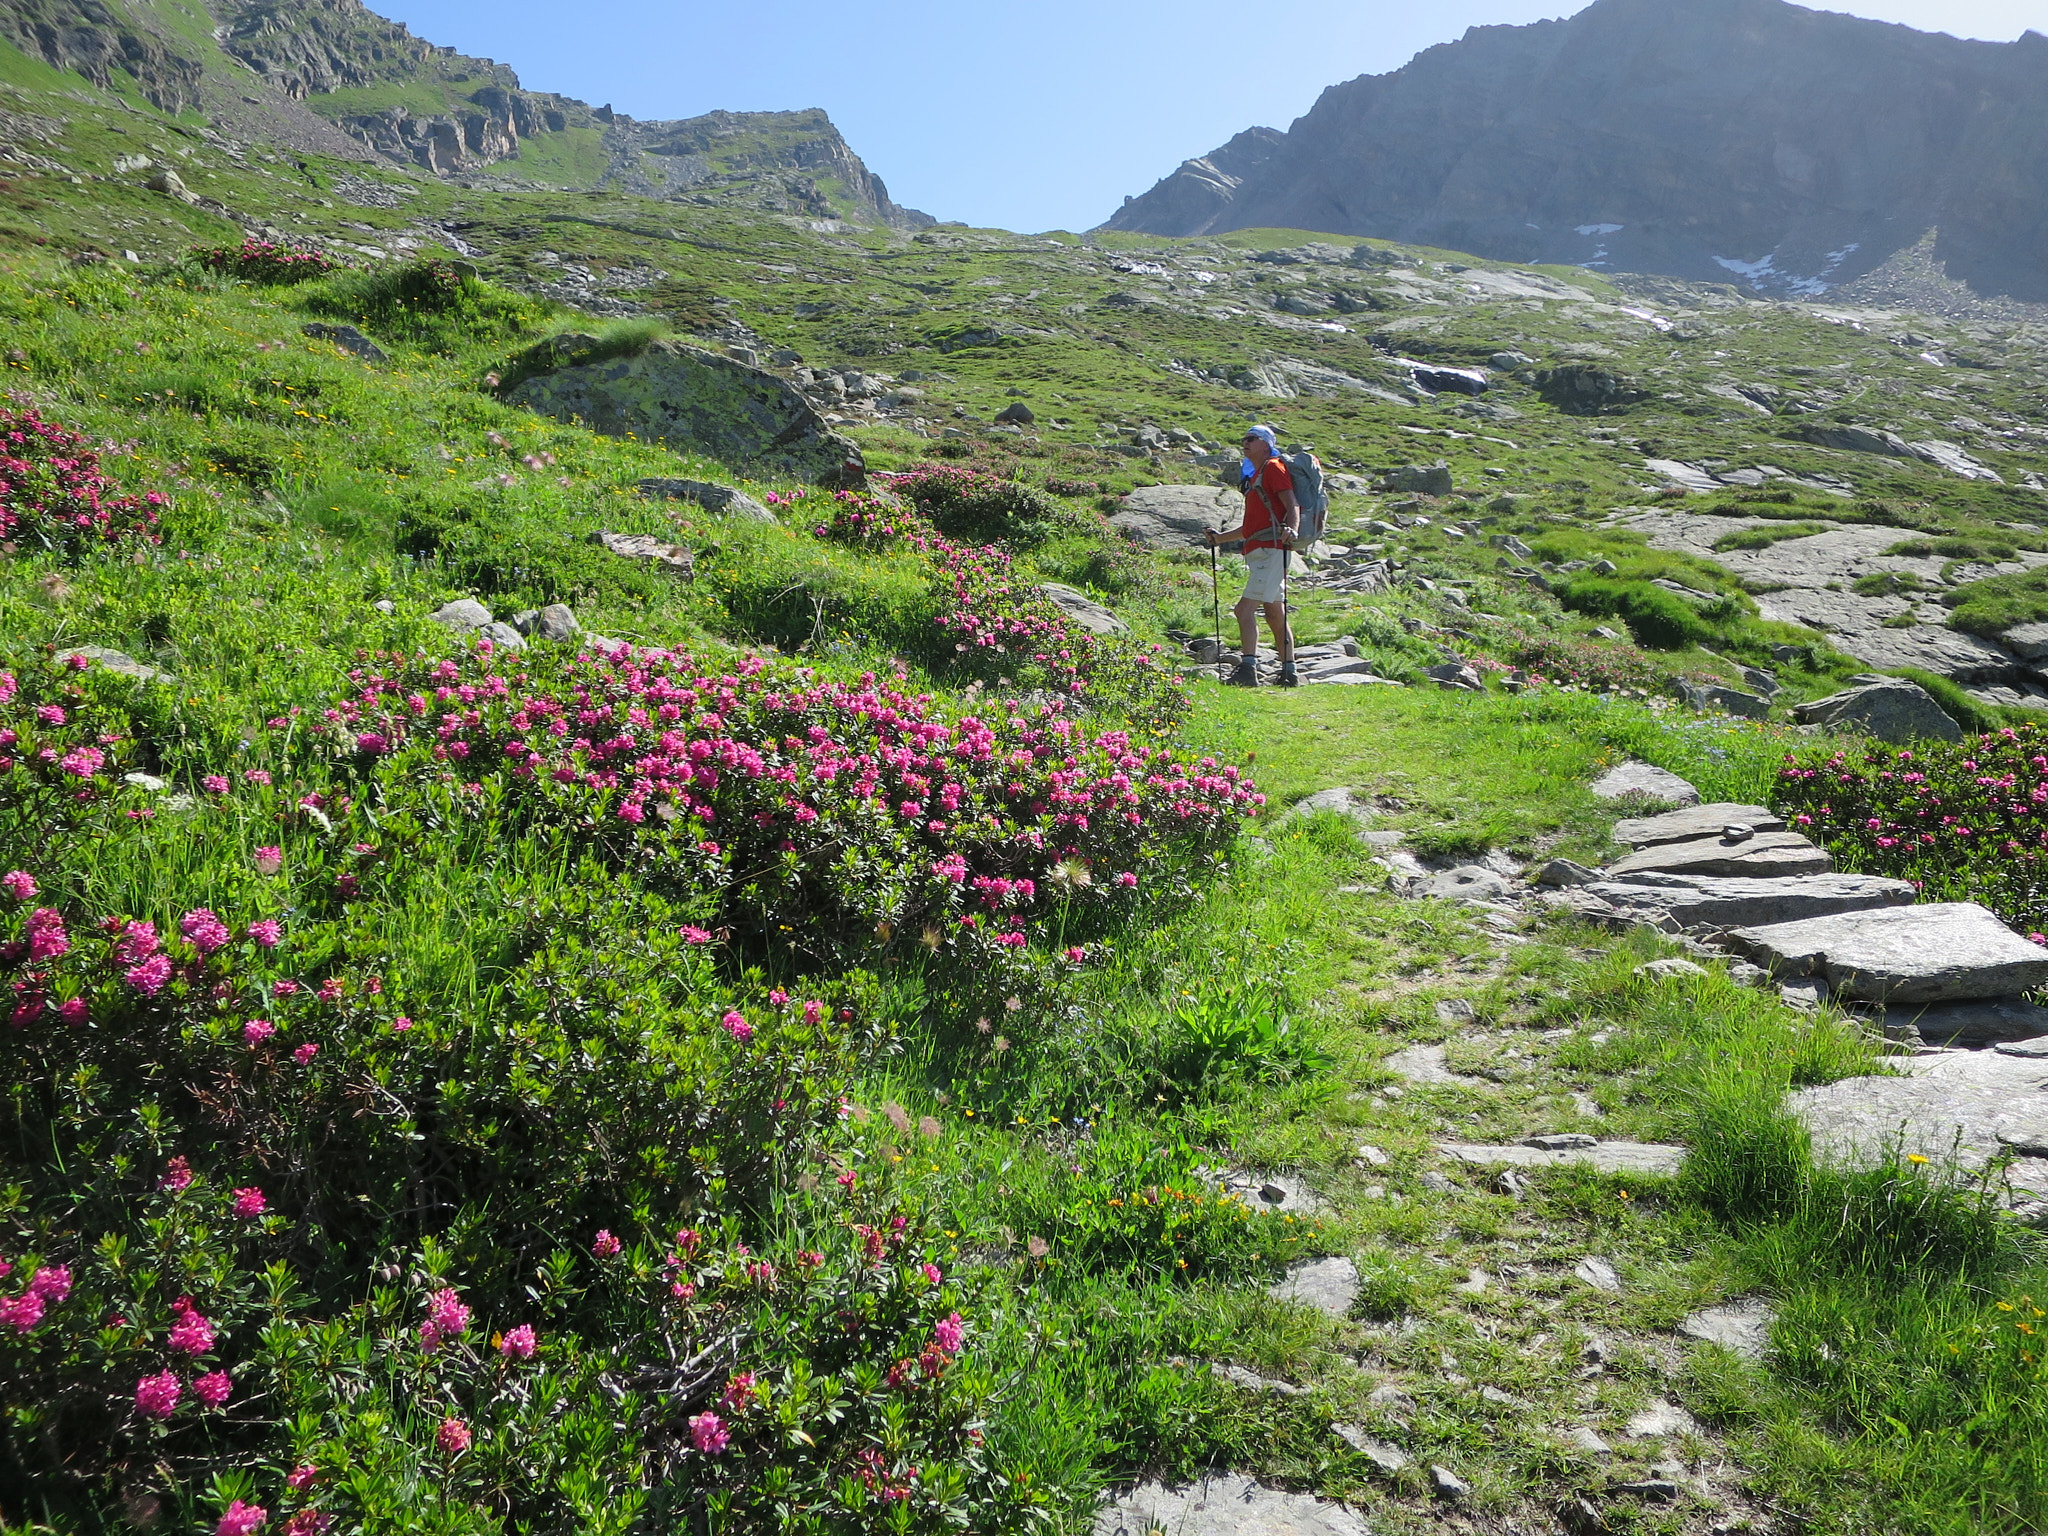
[1734, 140]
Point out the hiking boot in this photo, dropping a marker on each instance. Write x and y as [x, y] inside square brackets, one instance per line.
[1246, 675]
[1287, 677]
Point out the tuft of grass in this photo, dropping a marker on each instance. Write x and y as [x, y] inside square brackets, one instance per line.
[1992, 606]
[1764, 538]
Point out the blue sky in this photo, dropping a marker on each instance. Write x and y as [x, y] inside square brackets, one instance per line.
[1027, 116]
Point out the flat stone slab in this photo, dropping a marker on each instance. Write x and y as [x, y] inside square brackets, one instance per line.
[1991, 1021]
[1765, 856]
[1693, 823]
[1328, 1285]
[1649, 782]
[1659, 1420]
[1425, 1064]
[1468, 882]
[1708, 901]
[1177, 516]
[1082, 609]
[1743, 1326]
[1933, 953]
[1605, 1157]
[1344, 802]
[1965, 1105]
[1228, 1504]
[116, 661]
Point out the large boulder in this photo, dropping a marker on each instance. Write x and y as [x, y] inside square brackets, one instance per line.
[1759, 855]
[1416, 479]
[1934, 953]
[1893, 710]
[685, 397]
[709, 495]
[1644, 781]
[1726, 700]
[1176, 516]
[1082, 609]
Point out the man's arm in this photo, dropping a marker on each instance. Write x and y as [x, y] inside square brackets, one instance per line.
[1289, 506]
[1235, 536]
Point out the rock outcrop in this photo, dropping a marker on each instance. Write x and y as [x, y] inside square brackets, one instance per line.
[1748, 141]
[687, 397]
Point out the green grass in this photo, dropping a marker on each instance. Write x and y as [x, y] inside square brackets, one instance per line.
[1998, 603]
[1764, 538]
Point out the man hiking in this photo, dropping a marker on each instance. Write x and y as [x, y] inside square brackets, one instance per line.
[1272, 519]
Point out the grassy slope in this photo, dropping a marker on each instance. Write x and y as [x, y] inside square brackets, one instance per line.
[291, 466]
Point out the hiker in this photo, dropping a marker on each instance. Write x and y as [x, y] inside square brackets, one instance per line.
[1272, 520]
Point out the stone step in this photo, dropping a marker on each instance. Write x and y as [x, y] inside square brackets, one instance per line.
[1977, 1023]
[1764, 856]
[1647, 781]
[1705, 901]
[1224, 1504]
[1693, 823]
[1604, 1156]
[1936, 953]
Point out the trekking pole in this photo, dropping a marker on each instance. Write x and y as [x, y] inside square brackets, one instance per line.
[1215, 605]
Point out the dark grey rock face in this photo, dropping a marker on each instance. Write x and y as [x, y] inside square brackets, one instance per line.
[1748, 141]
[1894, 710]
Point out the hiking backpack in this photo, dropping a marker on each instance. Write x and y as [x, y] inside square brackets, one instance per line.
[1309, 494]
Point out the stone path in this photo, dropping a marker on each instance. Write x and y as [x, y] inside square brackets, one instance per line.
[1225, 1505]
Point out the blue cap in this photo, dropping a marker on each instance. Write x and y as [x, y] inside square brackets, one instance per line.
[1266, 434]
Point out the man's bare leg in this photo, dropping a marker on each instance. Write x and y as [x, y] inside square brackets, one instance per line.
[1248, 628]
[1283, 632]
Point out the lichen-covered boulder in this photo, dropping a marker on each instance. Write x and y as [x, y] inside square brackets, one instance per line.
[685, 397]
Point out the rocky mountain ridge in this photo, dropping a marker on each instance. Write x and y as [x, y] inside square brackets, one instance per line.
[1754, 141]
[334, 77]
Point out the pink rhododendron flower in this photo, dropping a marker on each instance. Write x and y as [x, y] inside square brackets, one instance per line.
[19, 884]
[266, 932]
[453, 1437]
[308, 1522]
[241, 1520]
[519, 1343]
[813, 1011]
[301, 1477]
[249, 1203]
[694, 935]
[269, 861]
[203, 930]
[177, 1175]
[214, 784]
[400, 1025]
[708, 1433]
[255, 776]
[21, 1313]
[156, 1397]
[604, 1245]
[737, 1026]
[447, 1318]
[740, 1392]
[72, 1011]
[213, 1388]
[932, 1275]
[256, 1031]
[192, 1334]
[149, 977]
[949, 1333]
[52, 1283]
[305, 1053]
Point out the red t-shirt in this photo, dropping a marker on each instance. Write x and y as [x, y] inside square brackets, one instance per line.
[1261, 525]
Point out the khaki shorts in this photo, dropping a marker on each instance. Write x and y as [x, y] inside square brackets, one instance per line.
[1265, 574]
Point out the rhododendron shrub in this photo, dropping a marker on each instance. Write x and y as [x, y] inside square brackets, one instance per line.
[1966, 821]
[834, 818]
[972, 504]
[265, 261]
[55, 496]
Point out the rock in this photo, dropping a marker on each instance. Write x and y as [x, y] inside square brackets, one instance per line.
[708, 494]
[503, 636]
[1335, 802]
[1460, 676]
[1416, 479]
[1894, 710]
[1226, 1504]
[1584, 1439]
[349, 339]
[1852, 439]
[385, 605]
[1082, 609]
[1389, 1399]
[2034, 1049]
[1328, 1285]
[686, 397]
[1975, 1023]
[116, 661]
[1956, 1105]
[1764, 683]
[1741, 1326]
[1586, 389]
[462, 615]
[1606, 1157]
[1373, 1156]
[1641, 779]
[1016, 413]
[169, 183]
[646, 546]
[148, 783]
[1692, 823]
[1660, 1489]
[2029, 642]
[1766, 855]
[1705, 901]
[555, 622]
[1670, 969]
[1455, 1010]
[1597, 1273]
[1565, 1141]
[1564, 873]
[1252, 1381]
[1177, 516]
[1661, 1419]
[1424, 1064]
[1729, 701]
[1512, 545]
[1388, 1458]
[1448, 1485]
[1509, 1183]
[1932, 953]
[1468, 882]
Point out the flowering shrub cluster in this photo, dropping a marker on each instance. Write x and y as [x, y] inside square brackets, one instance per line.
[999, 624]
[54, 494]
[1965, 821]
[972, 504]
[1563, 658]
[264, 261]
[827, 815]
